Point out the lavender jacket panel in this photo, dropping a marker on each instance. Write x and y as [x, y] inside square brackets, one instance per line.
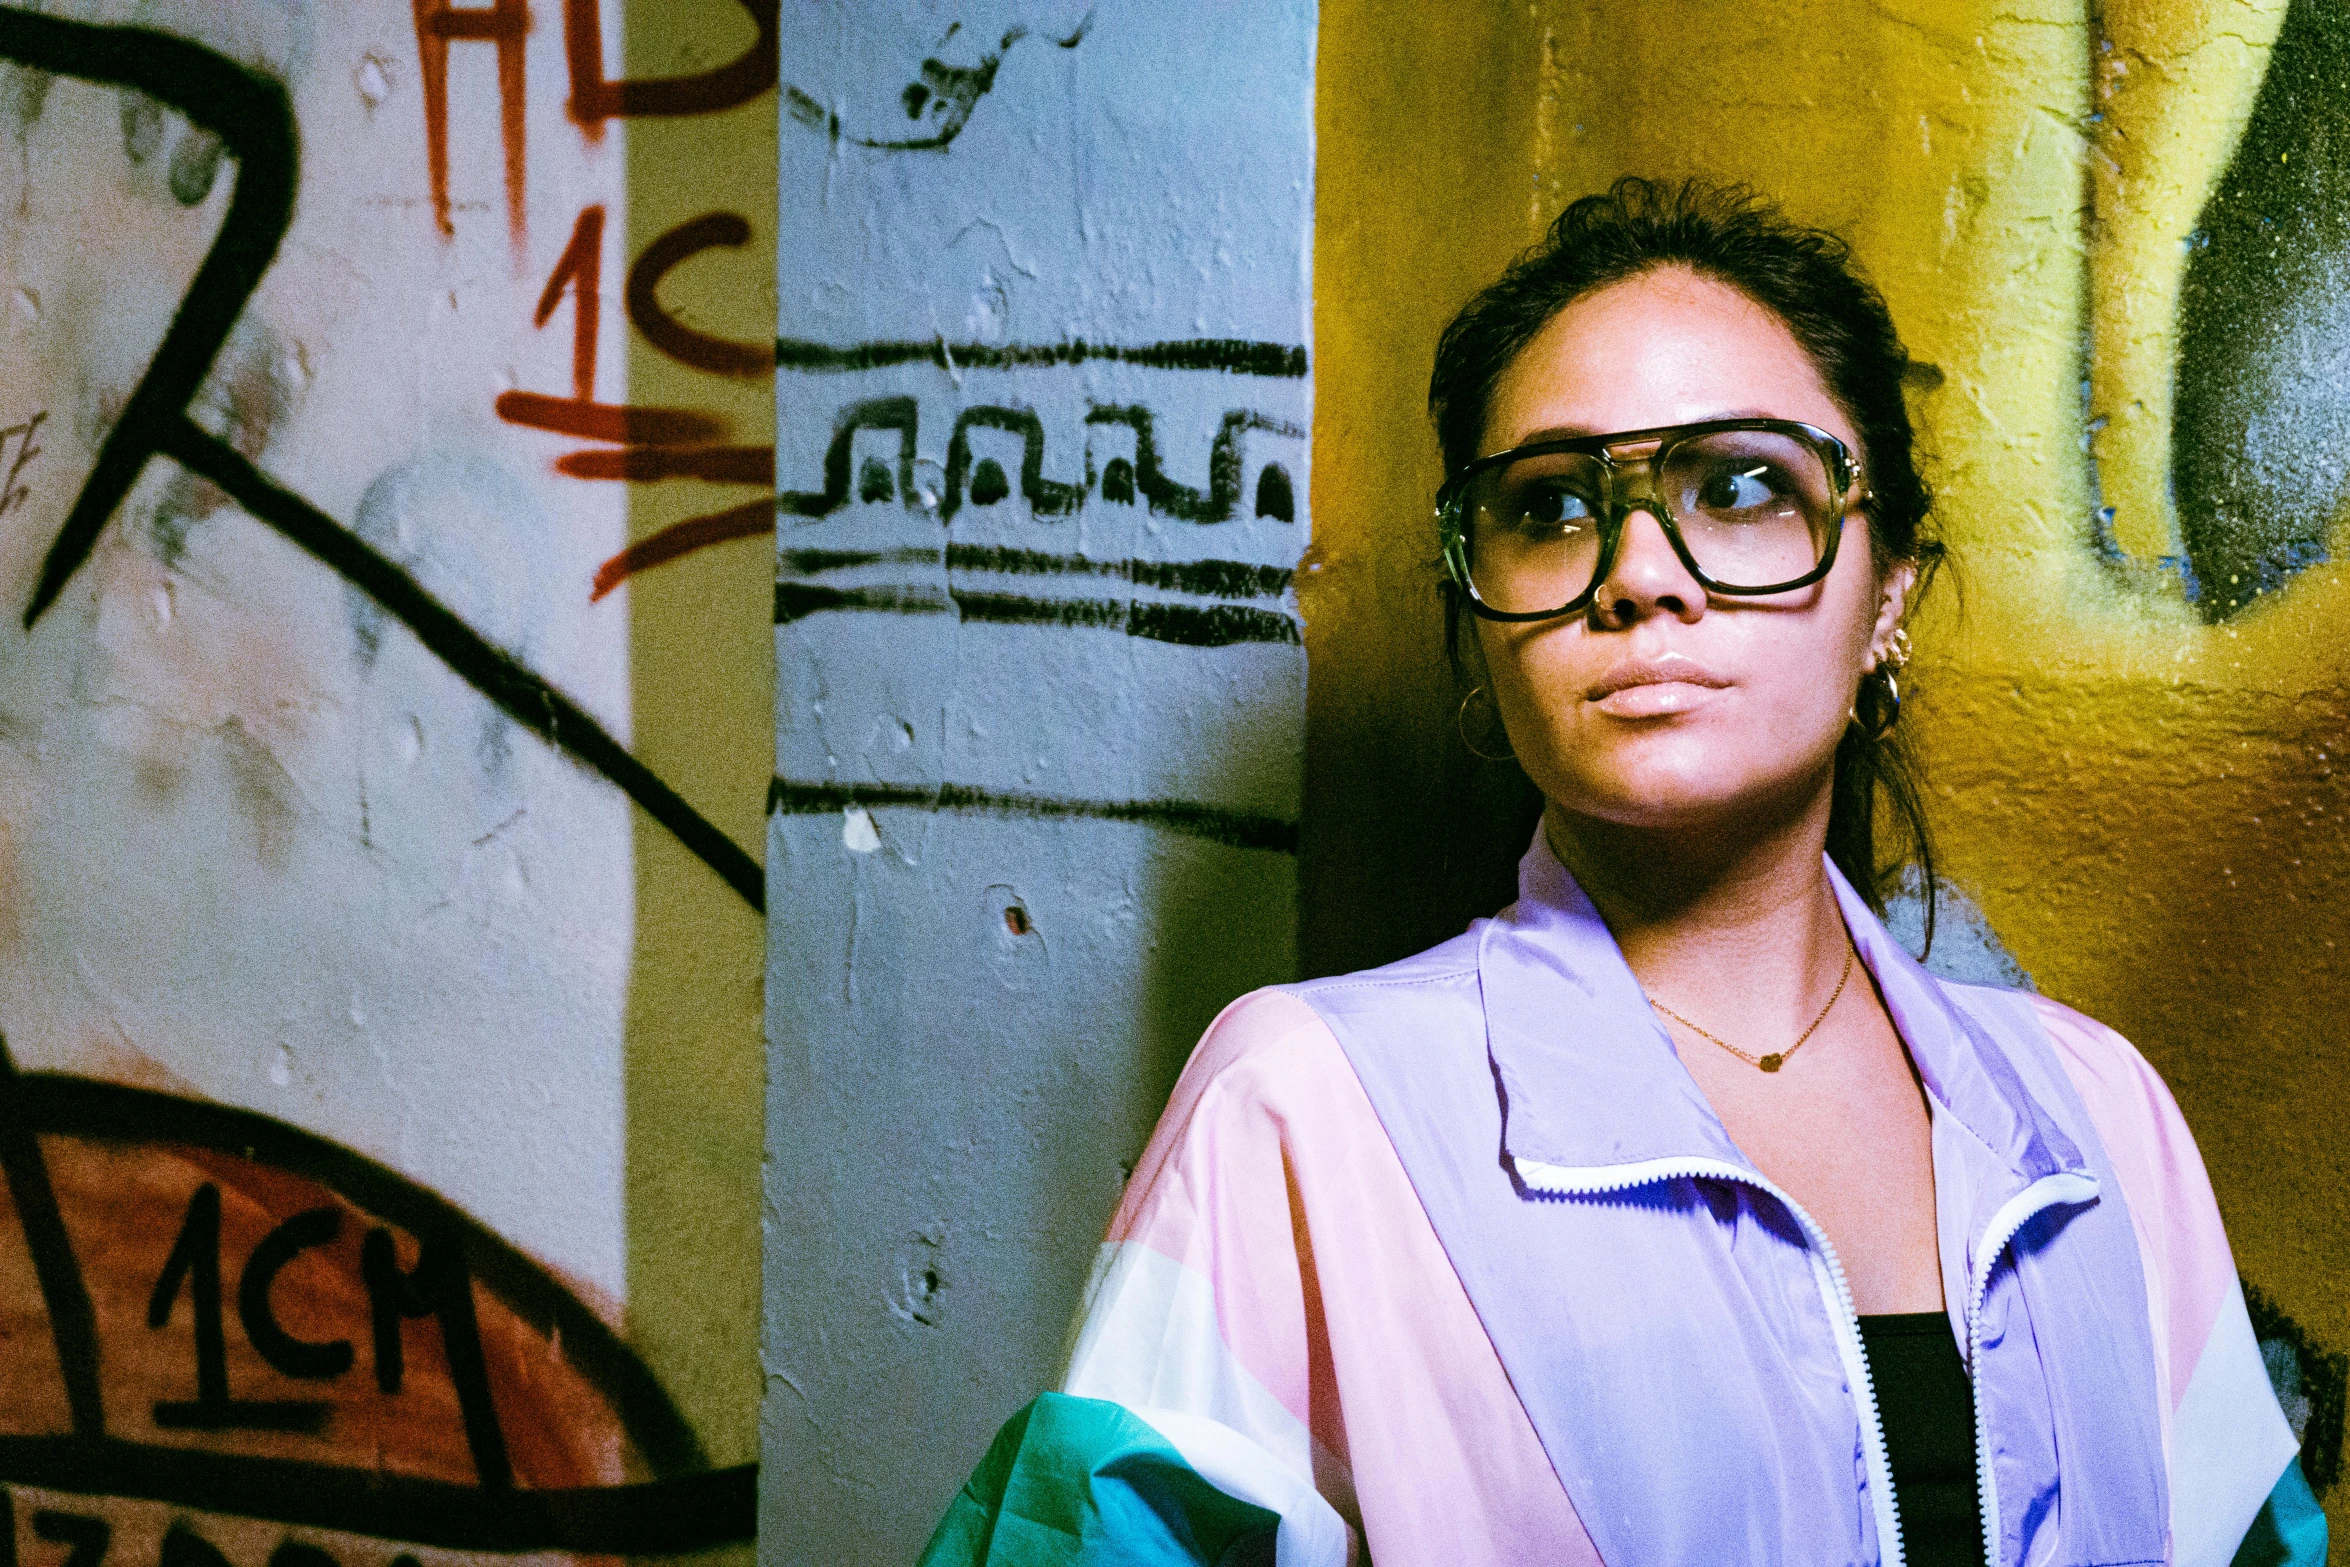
[1669, 1339]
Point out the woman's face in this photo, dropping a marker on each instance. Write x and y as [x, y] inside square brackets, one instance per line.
[1660, 707]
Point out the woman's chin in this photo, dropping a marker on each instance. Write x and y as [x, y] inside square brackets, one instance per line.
[1665, 788]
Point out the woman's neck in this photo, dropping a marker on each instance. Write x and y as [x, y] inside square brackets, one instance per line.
[1728, 921]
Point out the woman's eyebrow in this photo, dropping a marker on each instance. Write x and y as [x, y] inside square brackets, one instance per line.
[1578, 432]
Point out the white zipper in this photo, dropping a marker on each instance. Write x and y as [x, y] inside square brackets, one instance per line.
[2013, 1215]
[1827, 1273]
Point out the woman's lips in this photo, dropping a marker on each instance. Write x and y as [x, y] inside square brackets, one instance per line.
[1656, 699]
[1654, 688]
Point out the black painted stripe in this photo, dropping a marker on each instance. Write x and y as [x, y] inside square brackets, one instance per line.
[798, 600]
[1239, 829]
[1224, 579]
[1229, 579]
[1189, 625]
[1209, 625]
[1010, 609]
[1234, 356]
[252, 114]
[517, 691]
[716, 1507]
[73, 1320]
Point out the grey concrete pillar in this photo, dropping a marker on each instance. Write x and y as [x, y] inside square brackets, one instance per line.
[1042, 441]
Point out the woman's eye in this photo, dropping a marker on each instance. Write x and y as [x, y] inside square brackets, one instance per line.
[1745, 488]
[1550, 508]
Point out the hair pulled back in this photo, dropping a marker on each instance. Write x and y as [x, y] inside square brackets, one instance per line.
[1808, 279]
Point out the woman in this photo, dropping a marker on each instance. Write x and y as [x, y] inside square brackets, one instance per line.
[1674, 1214]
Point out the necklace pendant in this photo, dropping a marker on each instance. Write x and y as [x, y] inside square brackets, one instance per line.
[1771, 1062]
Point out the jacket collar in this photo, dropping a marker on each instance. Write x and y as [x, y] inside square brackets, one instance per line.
[1589, 1079]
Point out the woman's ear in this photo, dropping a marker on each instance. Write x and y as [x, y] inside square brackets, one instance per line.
[1892, 603]
[1466, 643]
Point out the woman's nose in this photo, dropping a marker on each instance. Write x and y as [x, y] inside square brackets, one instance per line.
[1646, 578]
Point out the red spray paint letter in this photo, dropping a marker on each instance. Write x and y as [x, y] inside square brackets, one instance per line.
[582, 267]
[504, 23]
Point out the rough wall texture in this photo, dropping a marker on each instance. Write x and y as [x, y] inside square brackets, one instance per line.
[378, 1122]
[1042, 418]
[2118, 232]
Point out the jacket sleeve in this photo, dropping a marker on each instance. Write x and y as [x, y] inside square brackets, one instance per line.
[1167, 1441]
[1085, 1482]
[2237, 1490]
[2290, 1530]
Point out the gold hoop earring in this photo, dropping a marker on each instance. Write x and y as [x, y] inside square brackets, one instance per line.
[1460, 724]
[1887, 706]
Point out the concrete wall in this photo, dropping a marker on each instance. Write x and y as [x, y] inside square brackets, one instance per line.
[1042, 420]
[379, 1141]
[2118, 232]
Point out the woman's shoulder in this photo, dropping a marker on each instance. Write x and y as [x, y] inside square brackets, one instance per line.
[1277, 1049]
[1267, 1041]
[2119, 1087]
[1267, 1099]
[2123, 1094]
[1283, 1032]
[2147, 1142]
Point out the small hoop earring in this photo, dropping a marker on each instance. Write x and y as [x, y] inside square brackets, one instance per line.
[1460, 724]
[1888, 702]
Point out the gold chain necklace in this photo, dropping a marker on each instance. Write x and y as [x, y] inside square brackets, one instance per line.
[1777, 1058]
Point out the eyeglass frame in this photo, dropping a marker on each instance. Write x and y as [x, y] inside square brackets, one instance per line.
[1844, 473]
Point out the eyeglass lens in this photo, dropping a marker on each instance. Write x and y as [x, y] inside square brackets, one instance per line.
[1755, 508]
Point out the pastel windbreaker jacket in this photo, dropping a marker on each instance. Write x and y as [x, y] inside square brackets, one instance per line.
[1450, 1262]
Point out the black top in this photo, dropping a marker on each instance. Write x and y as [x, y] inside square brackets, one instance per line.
[1928, 1409]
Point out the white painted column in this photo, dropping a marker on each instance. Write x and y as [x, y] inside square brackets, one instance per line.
[1042, 415]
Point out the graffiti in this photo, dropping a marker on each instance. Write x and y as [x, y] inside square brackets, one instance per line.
[976, 482]
[942, 97]
[253, 118]
[508, 1422]
[205, 1310]
[505, 24]
[1240, 358]
[653, 443]
[13, 493]
[2260, 449]
[595, 99]
[1121, 480]
[698, 350]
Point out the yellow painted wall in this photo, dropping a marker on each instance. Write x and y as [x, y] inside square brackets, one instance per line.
[2143, 802]
[702, 688]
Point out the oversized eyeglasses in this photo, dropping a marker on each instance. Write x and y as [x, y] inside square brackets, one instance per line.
[1750, 505]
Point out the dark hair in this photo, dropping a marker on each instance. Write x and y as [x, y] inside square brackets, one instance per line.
[1807, 279]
